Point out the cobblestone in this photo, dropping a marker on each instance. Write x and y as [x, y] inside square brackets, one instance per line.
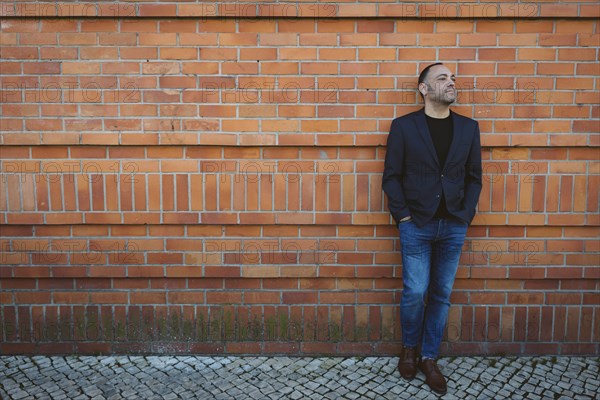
[257, 378]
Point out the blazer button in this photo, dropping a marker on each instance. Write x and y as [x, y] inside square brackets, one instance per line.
[437, 195]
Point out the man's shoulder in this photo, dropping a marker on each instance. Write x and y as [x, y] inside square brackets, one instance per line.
[406, 117]
[462, 119]
[409, 116]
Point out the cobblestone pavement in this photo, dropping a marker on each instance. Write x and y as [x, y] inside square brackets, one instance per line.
[193, 377]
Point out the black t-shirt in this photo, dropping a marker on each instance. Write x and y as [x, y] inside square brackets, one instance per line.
[441, 131]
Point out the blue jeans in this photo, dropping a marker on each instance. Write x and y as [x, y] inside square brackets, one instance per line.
[430, 256]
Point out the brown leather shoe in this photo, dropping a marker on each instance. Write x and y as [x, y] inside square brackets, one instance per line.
[433, 376]
[407, 366]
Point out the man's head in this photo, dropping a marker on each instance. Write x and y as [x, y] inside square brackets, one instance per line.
[436, 84]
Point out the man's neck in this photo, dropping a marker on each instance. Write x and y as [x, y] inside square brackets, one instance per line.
[435, 110]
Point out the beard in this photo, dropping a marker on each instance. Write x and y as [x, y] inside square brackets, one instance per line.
[446, 97]
[449, 97]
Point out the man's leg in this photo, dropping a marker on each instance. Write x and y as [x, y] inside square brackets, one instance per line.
[416, 257]
[444, 263]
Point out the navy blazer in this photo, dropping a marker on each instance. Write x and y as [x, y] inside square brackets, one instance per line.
[414, 180]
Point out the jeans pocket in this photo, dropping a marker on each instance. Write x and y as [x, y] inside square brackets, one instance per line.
[404, 222]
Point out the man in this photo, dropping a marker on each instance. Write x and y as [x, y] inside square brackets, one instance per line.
[432, 180]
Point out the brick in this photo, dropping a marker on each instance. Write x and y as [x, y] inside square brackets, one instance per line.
[136, 25]
[258, 54]
[455, 26]
[587, 39]
[558, 39]
[154, 297]
[177, 26]
[574, 83]
[512, 68]
[19, 52]
[355, 10]
[563, 298]
[278, 39]
[133, 53]
[495, 26]
[376, 54]
[297, 54]
[180, 53]
[351, 39]
[502, 54]
[266, 26]
[458, 54]
[431, 39]
[556, 10]
[535, 26]
[477, 39]
[121, 39]
[74, 39]
[375, 83]
[30, 38]
[581, 259]
[198, 39]
[576, 54]
[185, 297]
[157, 10]
[586, 97]
[238, 39]
[416, 54]
[537, 54]
[52, 26]
[564, 26]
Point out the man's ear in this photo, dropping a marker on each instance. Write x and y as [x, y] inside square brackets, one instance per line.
[423, 88]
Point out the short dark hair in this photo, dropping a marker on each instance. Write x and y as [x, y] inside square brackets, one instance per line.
[424, 73]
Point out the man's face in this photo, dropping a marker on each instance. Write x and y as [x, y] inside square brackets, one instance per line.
[438, 86]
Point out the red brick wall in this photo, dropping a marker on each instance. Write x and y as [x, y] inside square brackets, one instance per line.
[182, 177]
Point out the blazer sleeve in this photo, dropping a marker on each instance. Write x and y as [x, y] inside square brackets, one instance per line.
[392, 173]
[473, 174]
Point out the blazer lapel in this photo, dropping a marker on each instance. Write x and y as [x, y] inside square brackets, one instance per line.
[456, 138]
[423, 130]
